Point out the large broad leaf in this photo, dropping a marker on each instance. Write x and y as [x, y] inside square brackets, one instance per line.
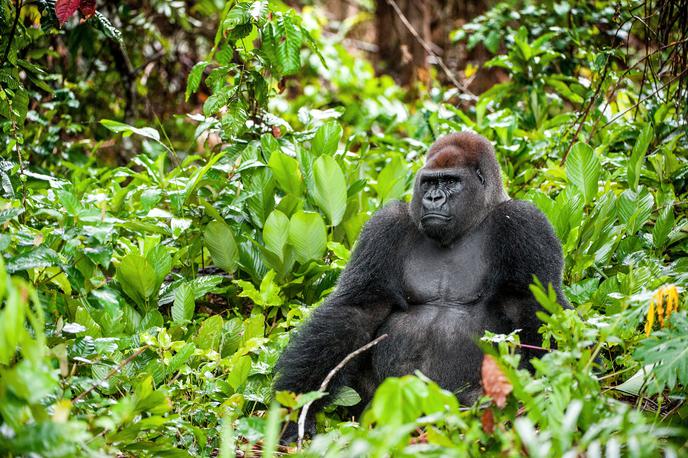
[210, 333]
[391, 183]
[239, 373]
[137, 277]
[327, 139]
[583, 170]
[161, 261]
[308, 236]
[222, 246]
[260, 188]
[634, 209]
[289, 39]
[286, 172]
[281, 47]
[663, 226]
[276, 233]
[329, 188]
[183, 307]
[635, 161]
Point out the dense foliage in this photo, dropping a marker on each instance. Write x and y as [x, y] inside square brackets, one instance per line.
[152, 269]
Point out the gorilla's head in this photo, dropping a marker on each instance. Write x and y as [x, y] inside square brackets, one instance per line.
[458, 186]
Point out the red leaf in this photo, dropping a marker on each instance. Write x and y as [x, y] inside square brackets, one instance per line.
[495, 383]
[87, 8]
[65, 8]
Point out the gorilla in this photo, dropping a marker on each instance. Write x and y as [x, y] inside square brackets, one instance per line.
[434, 275]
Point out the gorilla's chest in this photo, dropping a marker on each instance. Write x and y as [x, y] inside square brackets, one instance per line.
[451, 275]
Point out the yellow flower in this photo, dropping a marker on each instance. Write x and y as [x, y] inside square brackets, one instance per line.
[650, 318]
[663, 304]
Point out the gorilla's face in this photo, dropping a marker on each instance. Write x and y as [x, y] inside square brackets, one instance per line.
[448, 202]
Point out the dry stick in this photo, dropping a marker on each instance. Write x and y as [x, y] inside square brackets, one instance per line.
[119, 367]
[328, 379]
[429, 50]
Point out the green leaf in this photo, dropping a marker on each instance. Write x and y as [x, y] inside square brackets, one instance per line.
[286, 172]
[634, 209]
[329, 188]
[210, 333]
[161, 261]
[326, 139]
[239, 373]
[194, 80]
[137, 277]
[391, 183]
[583, 170]
[269, 293]
[180, 358]
[10, 213]
[668, 350]
[220, 242]
[126, 130]
[346, 397]
[308, 236]
[290, 38]
[663, 226]
[238, 15]
[262, 196]
[184, 303]
[635, 161]
[276, 233]
[217, 100]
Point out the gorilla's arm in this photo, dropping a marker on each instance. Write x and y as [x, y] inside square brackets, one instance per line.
[526, 246]
[368, 289]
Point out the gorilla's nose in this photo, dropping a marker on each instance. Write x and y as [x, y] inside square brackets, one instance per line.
[434, 199]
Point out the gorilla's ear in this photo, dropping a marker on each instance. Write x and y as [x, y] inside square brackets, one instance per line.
[480, 176]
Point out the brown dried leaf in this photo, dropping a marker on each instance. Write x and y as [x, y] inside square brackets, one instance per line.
[488, 421]
[495, 383]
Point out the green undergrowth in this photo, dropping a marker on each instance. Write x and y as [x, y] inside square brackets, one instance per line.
[144, 305]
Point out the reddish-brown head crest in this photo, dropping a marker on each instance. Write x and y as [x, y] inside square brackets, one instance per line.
[461, 149]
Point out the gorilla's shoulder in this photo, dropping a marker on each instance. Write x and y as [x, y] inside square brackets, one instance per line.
[522, 235]
[514, 217]
[394, 214]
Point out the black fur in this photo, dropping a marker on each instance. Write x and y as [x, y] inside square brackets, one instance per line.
[434, 284]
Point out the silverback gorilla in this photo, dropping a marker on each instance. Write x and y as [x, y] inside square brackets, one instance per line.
[433, 275]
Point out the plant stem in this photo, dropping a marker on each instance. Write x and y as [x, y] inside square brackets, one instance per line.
[12, 32]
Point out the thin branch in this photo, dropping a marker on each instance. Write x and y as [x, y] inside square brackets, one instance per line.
[328, 379]
[587, 110]
[429, 50]
[663, 86]
[119, 367]
[12, 32]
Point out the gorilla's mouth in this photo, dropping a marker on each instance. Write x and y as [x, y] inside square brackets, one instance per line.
[439, 217]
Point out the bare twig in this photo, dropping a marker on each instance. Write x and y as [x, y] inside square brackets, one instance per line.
[428, 49]
[663, 86]
[328, 379]
[119, 367]
[587, 110]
